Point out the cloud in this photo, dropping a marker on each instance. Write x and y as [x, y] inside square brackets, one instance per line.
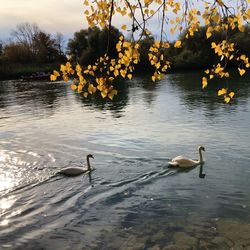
[52, 16]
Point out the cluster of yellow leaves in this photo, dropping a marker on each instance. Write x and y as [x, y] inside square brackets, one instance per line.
[219, 72]
[83, 78]
[244, 63]
[223, 49]
[227, 96]
[128, 56]
[104, 71]
[226, 52]
[98, 13]
[193, 19]
[223, 21]
[157, 59]
[216, 16]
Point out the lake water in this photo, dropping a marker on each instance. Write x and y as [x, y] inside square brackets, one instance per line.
[132, 200]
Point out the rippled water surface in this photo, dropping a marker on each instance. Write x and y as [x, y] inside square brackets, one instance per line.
[132, 200]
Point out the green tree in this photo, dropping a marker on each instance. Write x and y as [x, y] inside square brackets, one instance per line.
[31, 45]
[77, 44]
[87, 45]
[17, 53]
[1, 48]
[196, 53]
[45, 48]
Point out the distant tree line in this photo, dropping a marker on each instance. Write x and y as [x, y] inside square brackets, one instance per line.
[31, 45]
[195, 53]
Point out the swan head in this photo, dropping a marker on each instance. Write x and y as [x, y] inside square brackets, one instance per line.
[90, 156]
[201, 148]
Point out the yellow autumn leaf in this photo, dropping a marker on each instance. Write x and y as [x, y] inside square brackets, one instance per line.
[112, 94]
[222, 91]
[65, 78]
[241, 71]
[153, 78]
[63, 68]
[209, 32]
[243, 57]
[104, 94]
[73, 87]
[152, 12]
[213, 45]
[116, 72]
[135, 61]
[56, 73]
[137, 46]
[177, 44]
[172, 31]
[124, 27]
[85, 94]
[166, 45]
[158, 65]
[129, 76]
[241, 28]
[204, 82]
[52, 77]
[227, 99]
[231, 94]
[91, 89]
[79, 88]
[123, 73]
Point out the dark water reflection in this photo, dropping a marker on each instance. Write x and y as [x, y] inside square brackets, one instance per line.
[188, 83]
[132, 200]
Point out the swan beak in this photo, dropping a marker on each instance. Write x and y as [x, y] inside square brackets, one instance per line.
[92, 156]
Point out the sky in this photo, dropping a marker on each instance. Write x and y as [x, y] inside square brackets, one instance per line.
[64, 16]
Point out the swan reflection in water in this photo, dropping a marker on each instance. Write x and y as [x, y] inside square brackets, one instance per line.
[201, 173]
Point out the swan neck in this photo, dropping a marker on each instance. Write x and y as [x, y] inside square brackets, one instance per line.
[201, 158]
[88, 163]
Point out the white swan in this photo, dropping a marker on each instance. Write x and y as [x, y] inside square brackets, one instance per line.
[182, 161]
[71, 171]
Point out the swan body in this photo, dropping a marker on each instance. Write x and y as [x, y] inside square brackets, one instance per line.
[184, 162]
[73, 171]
